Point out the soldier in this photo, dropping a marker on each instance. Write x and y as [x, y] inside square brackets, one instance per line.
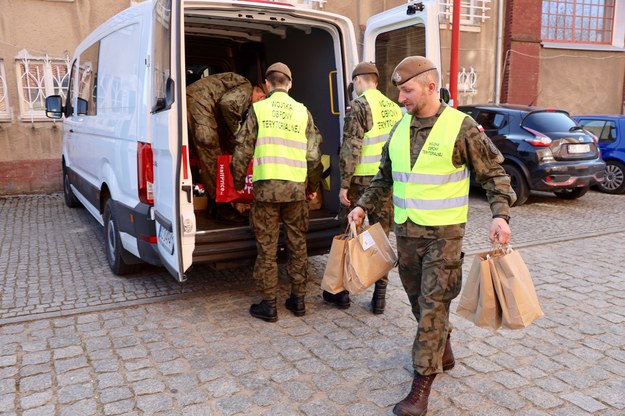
[366, 130]
[213, 102]
[425, 167]
[280, 135]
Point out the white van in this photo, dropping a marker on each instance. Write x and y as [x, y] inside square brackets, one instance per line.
[126, 152]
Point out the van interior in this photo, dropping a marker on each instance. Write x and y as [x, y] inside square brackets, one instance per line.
[247, 43]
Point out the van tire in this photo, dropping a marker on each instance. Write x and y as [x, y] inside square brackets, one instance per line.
[115, 252]
[70, 199]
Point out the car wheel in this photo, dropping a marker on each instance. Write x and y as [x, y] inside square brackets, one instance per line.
[572, 193]
[518, 182]
[614, 182]
[70, 199]
[115, 252]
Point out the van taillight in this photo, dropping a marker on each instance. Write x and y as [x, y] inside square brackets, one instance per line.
[145, 174]
[539, 139]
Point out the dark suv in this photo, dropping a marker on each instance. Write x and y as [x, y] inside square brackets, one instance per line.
[545, 149]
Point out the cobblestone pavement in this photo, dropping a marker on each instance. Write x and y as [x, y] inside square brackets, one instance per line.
[77, 340]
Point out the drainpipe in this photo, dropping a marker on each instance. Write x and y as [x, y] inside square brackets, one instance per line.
[453, 66]
[498, 50]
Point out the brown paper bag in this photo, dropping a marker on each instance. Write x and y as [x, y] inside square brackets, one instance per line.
[368, 257]
[332, 280]
[515, 290]
[478, 302]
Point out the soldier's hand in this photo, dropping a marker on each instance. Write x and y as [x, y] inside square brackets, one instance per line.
[357, 215]
[311, 195]
[343, 197]
[499, 231]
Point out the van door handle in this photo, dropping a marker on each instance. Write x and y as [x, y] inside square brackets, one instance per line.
[187, 189]
[71, 130]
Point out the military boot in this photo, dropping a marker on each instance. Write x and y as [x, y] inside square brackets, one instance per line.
[340, 300]
[296, 305]
[378, 301]
[265, 310]
[448, 356]
[416, 403]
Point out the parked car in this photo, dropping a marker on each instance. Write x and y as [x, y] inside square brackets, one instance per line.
[545, 149]
[610, 130]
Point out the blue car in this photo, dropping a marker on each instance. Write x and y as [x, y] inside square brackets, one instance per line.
[610, 130]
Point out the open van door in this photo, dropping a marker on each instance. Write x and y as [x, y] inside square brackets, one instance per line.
[410, 29]
[173, 190]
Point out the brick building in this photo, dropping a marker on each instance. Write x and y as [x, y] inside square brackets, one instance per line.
[561, 53]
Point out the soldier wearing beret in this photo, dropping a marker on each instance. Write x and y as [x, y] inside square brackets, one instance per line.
[280, 135]
[216, 106]
[365, 131]
[425, 169]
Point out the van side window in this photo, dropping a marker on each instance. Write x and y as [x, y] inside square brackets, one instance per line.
[87, 81]
[161, 72]
[71, 91]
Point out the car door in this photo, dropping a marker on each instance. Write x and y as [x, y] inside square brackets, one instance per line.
[173, 204]
[410, 29]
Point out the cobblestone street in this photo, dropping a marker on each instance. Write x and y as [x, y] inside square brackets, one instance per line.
[77, 340]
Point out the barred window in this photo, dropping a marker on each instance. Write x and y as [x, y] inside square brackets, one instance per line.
[472, 12]
[5, 115]
[578, 21]
[38, 77]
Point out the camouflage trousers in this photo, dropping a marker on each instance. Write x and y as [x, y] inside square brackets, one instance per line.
[431, 273]
[383, 215]
[265, 218]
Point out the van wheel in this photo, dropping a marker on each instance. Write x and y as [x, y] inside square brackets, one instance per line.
[518, 182]
[70, 199]
[115, 252]
[572, 193]
[614, 182]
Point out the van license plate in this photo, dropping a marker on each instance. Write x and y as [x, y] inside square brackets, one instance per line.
[166, 238]
[579, 148]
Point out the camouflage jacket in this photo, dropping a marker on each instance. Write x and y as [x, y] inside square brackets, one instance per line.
[472, 148]
[357, 122]
[276, 190]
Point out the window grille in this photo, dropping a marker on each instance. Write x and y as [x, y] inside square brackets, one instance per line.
[472, 12]
[578, 21]
[5, 115]
[38, 77]
[467, 79]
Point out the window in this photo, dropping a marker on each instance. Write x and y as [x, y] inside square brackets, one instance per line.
[4, 95]
[472, 12]
[39, 77]
[87, 80]
[604, 130]
[490, 121]
[578, 21]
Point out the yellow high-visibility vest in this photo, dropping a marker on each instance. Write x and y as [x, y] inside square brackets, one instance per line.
[434, 192]
[385, 114]
[280, 151]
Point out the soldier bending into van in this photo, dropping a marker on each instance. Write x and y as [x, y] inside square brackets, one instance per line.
[216, 106]
[279, 134]
[366, 130]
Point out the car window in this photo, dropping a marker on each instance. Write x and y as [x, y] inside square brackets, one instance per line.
[604, 130]
[490, 120]
[547, 122]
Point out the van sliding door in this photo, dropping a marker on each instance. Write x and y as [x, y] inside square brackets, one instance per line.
[175, 222]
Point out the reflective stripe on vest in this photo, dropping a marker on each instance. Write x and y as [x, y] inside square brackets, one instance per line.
[434, 192]
[280, 151]
[385, 113]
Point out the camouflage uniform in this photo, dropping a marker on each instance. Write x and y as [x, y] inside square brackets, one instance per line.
[357, 122]
[213, 102]
[278, 201]
[430, 257]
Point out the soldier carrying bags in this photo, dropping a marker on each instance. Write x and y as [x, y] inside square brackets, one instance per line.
[280, 136]
[366, 130]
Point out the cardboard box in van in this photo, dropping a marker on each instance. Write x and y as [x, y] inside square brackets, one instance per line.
[126, 146]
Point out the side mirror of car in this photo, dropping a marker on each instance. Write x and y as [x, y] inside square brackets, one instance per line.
[445, 96]
[54, 106]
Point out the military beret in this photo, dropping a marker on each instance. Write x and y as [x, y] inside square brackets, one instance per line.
[364, 68]
[410, 67]
[279, 67]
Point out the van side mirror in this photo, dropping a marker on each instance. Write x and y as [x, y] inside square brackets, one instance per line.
[445, 96]
[54, 106]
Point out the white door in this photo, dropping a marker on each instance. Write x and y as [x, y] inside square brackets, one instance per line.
[173, 203]
[410, 29]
